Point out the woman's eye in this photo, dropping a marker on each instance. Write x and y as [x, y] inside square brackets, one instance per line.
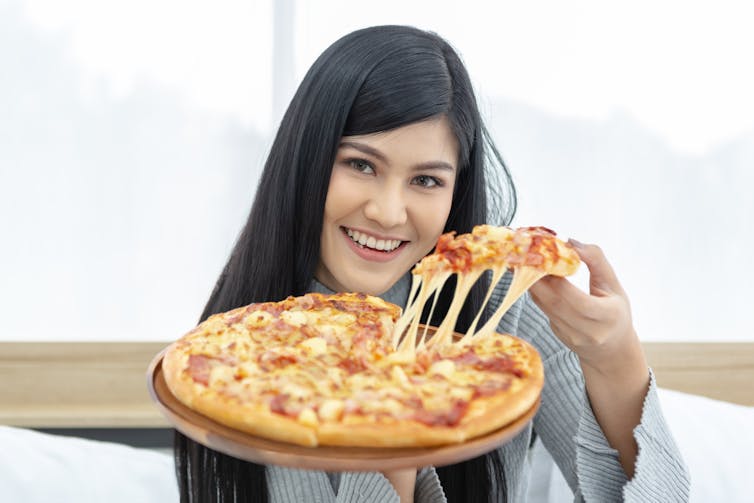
[361, 166]
[427, 181]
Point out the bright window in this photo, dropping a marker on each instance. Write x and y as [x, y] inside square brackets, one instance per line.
[132, 135]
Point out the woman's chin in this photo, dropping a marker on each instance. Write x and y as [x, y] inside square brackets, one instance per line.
[375, 288]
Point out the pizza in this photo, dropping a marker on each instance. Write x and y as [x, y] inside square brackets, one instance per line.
[349, 369]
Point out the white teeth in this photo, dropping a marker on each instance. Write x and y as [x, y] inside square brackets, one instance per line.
[372, 242]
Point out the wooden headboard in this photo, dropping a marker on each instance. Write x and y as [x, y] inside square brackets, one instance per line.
[103, 384]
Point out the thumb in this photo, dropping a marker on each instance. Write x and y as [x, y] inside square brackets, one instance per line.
[602, 278]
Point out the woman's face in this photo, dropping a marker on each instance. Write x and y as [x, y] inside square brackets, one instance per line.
[389, 198]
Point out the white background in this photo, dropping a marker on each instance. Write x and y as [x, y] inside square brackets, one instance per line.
[132, 135]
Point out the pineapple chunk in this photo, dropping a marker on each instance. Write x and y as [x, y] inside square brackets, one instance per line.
[331, 409]
[308, 417]
[295, 318]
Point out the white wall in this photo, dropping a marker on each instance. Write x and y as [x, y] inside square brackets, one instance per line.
[131, 139]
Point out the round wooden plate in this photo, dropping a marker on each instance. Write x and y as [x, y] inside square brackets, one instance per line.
[260, 450]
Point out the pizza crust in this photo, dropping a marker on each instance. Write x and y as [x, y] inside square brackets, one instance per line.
[361, 431]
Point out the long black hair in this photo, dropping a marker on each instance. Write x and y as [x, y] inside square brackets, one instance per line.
[372, 80]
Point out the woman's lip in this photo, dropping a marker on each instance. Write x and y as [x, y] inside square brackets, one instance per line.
[371, 254]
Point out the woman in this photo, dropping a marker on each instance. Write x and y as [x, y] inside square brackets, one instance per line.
[381, 150]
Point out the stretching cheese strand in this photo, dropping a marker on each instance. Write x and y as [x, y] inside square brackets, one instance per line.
[497, 274]
[413, 313]
[523, 278]
[444, 334]
[428, 284]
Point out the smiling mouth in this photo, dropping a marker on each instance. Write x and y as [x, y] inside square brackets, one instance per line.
[370, 242]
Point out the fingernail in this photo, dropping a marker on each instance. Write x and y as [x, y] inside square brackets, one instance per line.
[574, 243]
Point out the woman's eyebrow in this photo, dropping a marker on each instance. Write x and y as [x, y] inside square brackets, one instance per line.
[365, 148]
[442, 165]
[362, 147]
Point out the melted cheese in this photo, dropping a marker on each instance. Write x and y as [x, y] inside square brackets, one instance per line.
[257, 319]
[294, 318]
[445, 368]
[314, 345]
[220, 375]
[523, 278]
[400, 376]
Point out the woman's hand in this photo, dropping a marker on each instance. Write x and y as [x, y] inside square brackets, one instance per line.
[597, 326]
[403, 482]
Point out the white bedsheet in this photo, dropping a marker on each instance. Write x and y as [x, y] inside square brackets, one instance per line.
[716, 439]
[41, 468]
[717, 442]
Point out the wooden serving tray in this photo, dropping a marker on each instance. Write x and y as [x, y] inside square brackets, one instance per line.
[330, 458]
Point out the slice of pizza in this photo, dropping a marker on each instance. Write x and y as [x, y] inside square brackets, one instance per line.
[529, 252]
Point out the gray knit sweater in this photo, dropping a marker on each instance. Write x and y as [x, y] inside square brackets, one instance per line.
[565, 423]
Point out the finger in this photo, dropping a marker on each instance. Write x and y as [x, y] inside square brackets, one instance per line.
[557, 295]
[602, 278]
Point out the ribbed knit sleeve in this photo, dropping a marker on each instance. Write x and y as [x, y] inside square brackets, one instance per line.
[658, 460]
[566, 424]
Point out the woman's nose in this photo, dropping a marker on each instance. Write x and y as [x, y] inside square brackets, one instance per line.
[387, 207]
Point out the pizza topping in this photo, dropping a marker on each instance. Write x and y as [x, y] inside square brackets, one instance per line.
[465, 393]
[334, 376]
[445, 368]
[198, 367]
[331, 409]
[295, 390]
[308, 417]
[449, 417]
[457, 256]
[314, 346]
[399, 375]
[221, 374]
[490, 387]
[277, 403]
[294, 318]
[352, 365]
[271, 359]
